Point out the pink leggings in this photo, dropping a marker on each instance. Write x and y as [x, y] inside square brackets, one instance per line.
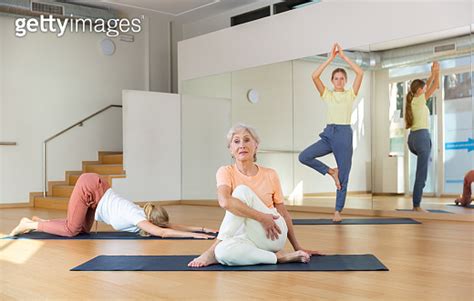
[86, 195]
[467, 193]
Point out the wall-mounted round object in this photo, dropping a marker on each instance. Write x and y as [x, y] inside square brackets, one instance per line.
[107, 46]
[252, 96]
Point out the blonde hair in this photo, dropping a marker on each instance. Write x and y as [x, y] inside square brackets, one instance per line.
[238, 127]
[156, 215]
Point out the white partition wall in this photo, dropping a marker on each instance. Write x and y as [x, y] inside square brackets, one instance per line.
[271, 115]
[205, 122]
[151, 146]
[218, 86]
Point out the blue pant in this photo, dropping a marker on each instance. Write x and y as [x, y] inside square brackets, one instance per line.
[419, 143]
[337, 139]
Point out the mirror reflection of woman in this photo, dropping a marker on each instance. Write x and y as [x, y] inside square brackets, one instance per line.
[336, 138]
[417, 117]
[465, 198]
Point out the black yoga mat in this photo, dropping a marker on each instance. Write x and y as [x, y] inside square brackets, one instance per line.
[92, 235]
[470, 206]
[365, 262]
[356, 221]
[430, 210]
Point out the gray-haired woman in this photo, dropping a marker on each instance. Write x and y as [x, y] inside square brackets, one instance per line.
[256, 224]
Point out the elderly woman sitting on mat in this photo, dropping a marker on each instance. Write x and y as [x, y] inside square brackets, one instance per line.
[256, 224]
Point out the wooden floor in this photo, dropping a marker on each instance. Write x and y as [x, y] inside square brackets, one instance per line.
[431, 261]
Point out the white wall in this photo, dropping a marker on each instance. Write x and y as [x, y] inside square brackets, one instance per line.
[156, 31]
[152, 147]
[295, 34]
[159, 51]
[217, 86]
[48, 84]
[206, 118]
[176, 35]
[271, 116]
[205, 122]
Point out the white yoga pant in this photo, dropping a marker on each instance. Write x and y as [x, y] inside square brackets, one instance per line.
[244, 240]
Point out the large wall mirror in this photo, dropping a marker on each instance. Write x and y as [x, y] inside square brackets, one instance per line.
[282, 103]
[450, 119]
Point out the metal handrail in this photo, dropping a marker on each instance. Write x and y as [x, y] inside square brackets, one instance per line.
[79, 123]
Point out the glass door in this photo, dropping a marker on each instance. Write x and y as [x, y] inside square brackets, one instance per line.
[458, 142]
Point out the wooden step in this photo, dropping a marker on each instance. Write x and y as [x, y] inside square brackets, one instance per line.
[108, 178]
[105, 169]
[112, 159]
[109, 167]
[62, 190]
[72, 179]
[51, 202]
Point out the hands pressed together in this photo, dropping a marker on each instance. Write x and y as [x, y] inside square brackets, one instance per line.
[207, 233]
[336, 50]
[435, 67]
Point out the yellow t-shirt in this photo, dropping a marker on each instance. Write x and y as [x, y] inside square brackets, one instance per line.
[421, 113]
[265, 183]
[339, 105]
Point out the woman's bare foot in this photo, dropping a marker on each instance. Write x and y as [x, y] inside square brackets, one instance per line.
[334, 173]
[206, 258]
[38, 219]
[419, 209]
[337, 217]
[26, 225]
[297, 256]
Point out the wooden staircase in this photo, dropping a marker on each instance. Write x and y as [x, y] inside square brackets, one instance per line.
[109, 166]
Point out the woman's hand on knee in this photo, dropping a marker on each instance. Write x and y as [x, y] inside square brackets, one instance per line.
[271, 228]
